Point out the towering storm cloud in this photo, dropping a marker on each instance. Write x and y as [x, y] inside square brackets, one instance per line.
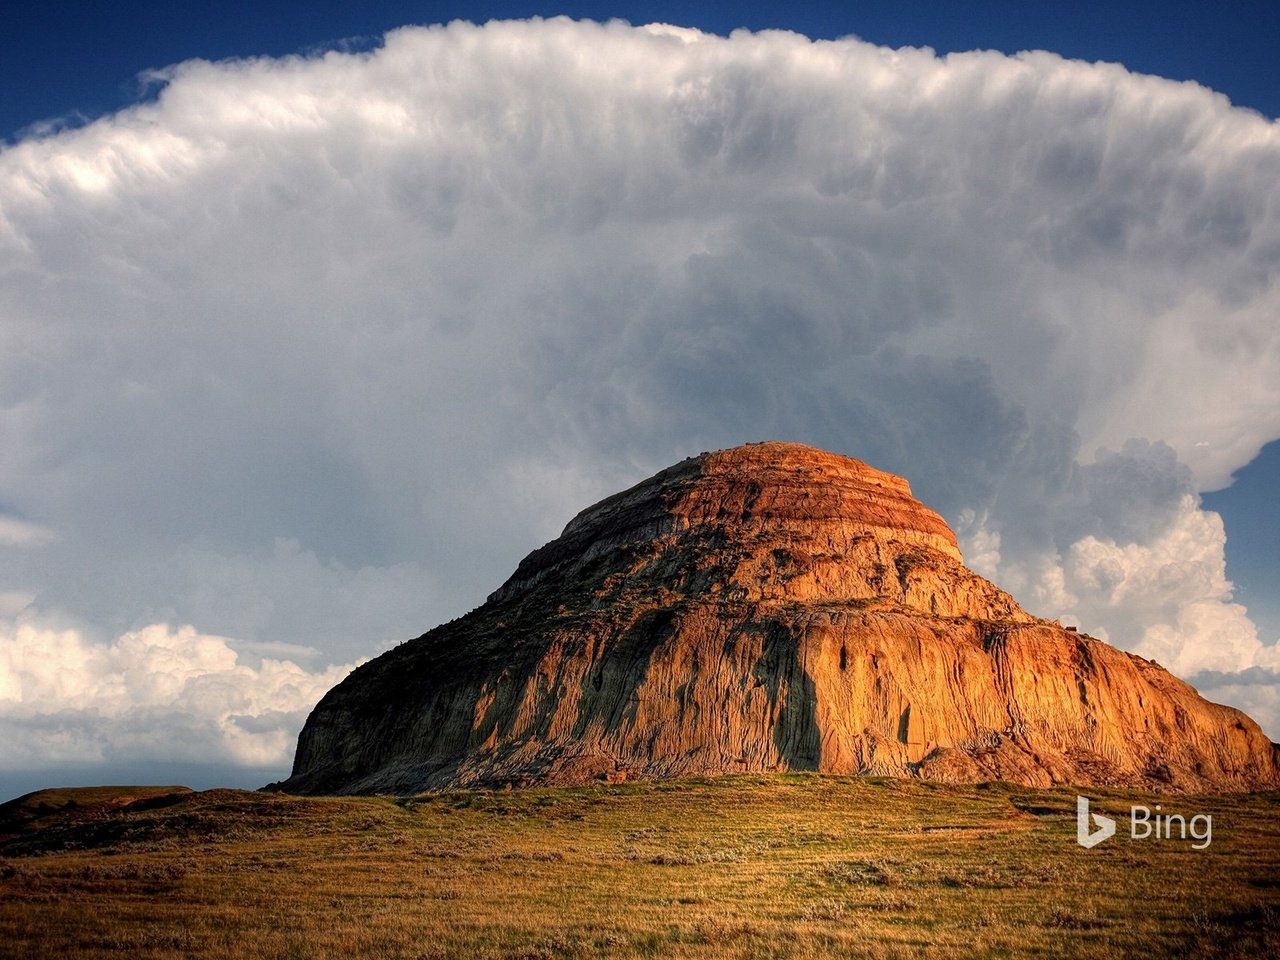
[307, 353]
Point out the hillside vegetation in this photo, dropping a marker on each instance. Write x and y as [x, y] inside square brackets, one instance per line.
[782, 866]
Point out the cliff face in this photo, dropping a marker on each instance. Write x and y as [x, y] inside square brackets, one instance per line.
[769, 607]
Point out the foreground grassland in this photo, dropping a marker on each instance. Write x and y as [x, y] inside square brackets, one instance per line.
[788, 866]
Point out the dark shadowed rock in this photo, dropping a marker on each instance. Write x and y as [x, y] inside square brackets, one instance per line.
[769, 607]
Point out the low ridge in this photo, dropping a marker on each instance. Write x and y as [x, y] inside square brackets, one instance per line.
[768, 607]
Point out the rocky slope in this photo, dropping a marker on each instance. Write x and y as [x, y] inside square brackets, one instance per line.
[769, 607]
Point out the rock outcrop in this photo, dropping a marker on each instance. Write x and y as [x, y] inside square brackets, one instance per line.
[770, 607]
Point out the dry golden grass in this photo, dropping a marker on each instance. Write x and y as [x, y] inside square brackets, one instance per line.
[788, 866]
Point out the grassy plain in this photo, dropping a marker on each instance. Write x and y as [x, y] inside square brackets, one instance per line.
[785, 866]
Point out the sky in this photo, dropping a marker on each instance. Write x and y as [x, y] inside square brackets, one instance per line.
[308, 334]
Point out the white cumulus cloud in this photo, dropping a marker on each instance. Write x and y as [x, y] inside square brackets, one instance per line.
[1136, 560]
[153, 694]
[1166, 598]
[312, 350]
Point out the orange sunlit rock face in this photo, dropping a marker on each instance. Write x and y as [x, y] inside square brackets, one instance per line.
[769, 607]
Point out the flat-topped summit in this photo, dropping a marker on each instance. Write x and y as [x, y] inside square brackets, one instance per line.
[768, 521]
[767, 607]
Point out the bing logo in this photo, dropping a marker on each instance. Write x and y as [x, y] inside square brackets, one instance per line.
[1143, 825]
[1084, 835]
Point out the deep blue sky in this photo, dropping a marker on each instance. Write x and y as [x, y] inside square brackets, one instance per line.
[1251, 514]
[80, 60]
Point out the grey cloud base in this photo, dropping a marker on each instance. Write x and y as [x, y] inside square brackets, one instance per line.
[310, 351]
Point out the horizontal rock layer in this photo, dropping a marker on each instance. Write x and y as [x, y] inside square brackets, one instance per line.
[770, 607]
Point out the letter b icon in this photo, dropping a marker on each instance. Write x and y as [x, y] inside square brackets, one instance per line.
[1084, 837]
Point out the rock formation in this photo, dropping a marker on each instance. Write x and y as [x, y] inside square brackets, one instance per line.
[770, 607]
